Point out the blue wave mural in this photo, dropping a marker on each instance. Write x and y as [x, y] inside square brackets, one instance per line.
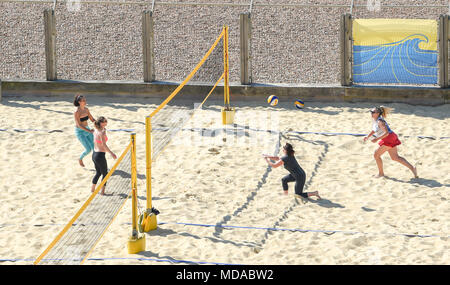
[397, 62]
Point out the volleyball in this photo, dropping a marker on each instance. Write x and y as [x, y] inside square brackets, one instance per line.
[299, 104]
[272, 100]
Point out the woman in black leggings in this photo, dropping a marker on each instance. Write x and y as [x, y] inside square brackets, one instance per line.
[100, 148]
[296, 173]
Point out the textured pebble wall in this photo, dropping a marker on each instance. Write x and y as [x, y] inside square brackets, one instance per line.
[22, 47]
[104, 42]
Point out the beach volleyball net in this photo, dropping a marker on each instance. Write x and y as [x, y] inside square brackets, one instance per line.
[172, 114]
[78, 238]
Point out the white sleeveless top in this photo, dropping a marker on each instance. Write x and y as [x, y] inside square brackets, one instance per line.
[379, 131]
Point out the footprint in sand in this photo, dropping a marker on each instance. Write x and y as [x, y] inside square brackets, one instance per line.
[368, 209]
[214, 151]
[222, 163]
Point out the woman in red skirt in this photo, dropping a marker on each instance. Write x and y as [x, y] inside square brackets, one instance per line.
[387, 140]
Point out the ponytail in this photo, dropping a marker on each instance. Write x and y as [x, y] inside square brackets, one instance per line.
[384, 111]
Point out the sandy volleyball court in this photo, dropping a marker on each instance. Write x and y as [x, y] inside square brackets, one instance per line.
[219, 201]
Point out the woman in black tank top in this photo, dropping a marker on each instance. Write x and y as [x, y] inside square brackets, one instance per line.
[82, 131]
[296, 173]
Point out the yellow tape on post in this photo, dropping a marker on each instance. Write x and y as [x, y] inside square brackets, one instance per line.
[135, 243]
[149, 222]
[227, 111]
[148, 158]
[225, 67]
[134, 183]
[227, 74]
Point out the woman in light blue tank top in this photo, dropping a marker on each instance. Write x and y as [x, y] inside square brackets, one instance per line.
[387, 140]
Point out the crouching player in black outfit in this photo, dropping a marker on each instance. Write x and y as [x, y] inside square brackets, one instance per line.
[296, 173]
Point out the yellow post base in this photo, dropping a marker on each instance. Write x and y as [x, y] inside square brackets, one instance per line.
[150, 223]
[136, 245]
[228, 116]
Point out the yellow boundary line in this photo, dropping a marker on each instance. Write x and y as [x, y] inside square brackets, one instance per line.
[81, 210]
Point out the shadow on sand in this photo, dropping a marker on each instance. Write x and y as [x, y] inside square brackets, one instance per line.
[430, 183]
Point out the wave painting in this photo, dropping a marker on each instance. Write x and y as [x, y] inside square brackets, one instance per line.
[397, 62]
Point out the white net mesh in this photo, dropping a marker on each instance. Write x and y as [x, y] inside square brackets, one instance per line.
[77, 242]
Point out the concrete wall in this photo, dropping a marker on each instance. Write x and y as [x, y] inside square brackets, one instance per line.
[197, 92]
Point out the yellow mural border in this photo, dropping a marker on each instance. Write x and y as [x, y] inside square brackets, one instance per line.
[376, 32]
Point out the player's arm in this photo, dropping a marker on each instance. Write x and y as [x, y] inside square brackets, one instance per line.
[276, 164]
[271, 157]
[90, 116]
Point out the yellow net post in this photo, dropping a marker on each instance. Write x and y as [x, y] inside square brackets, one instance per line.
[149, 221]
[133, 183]
[136, 243]
[227, 111]
[225, 67]
[148, 151]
